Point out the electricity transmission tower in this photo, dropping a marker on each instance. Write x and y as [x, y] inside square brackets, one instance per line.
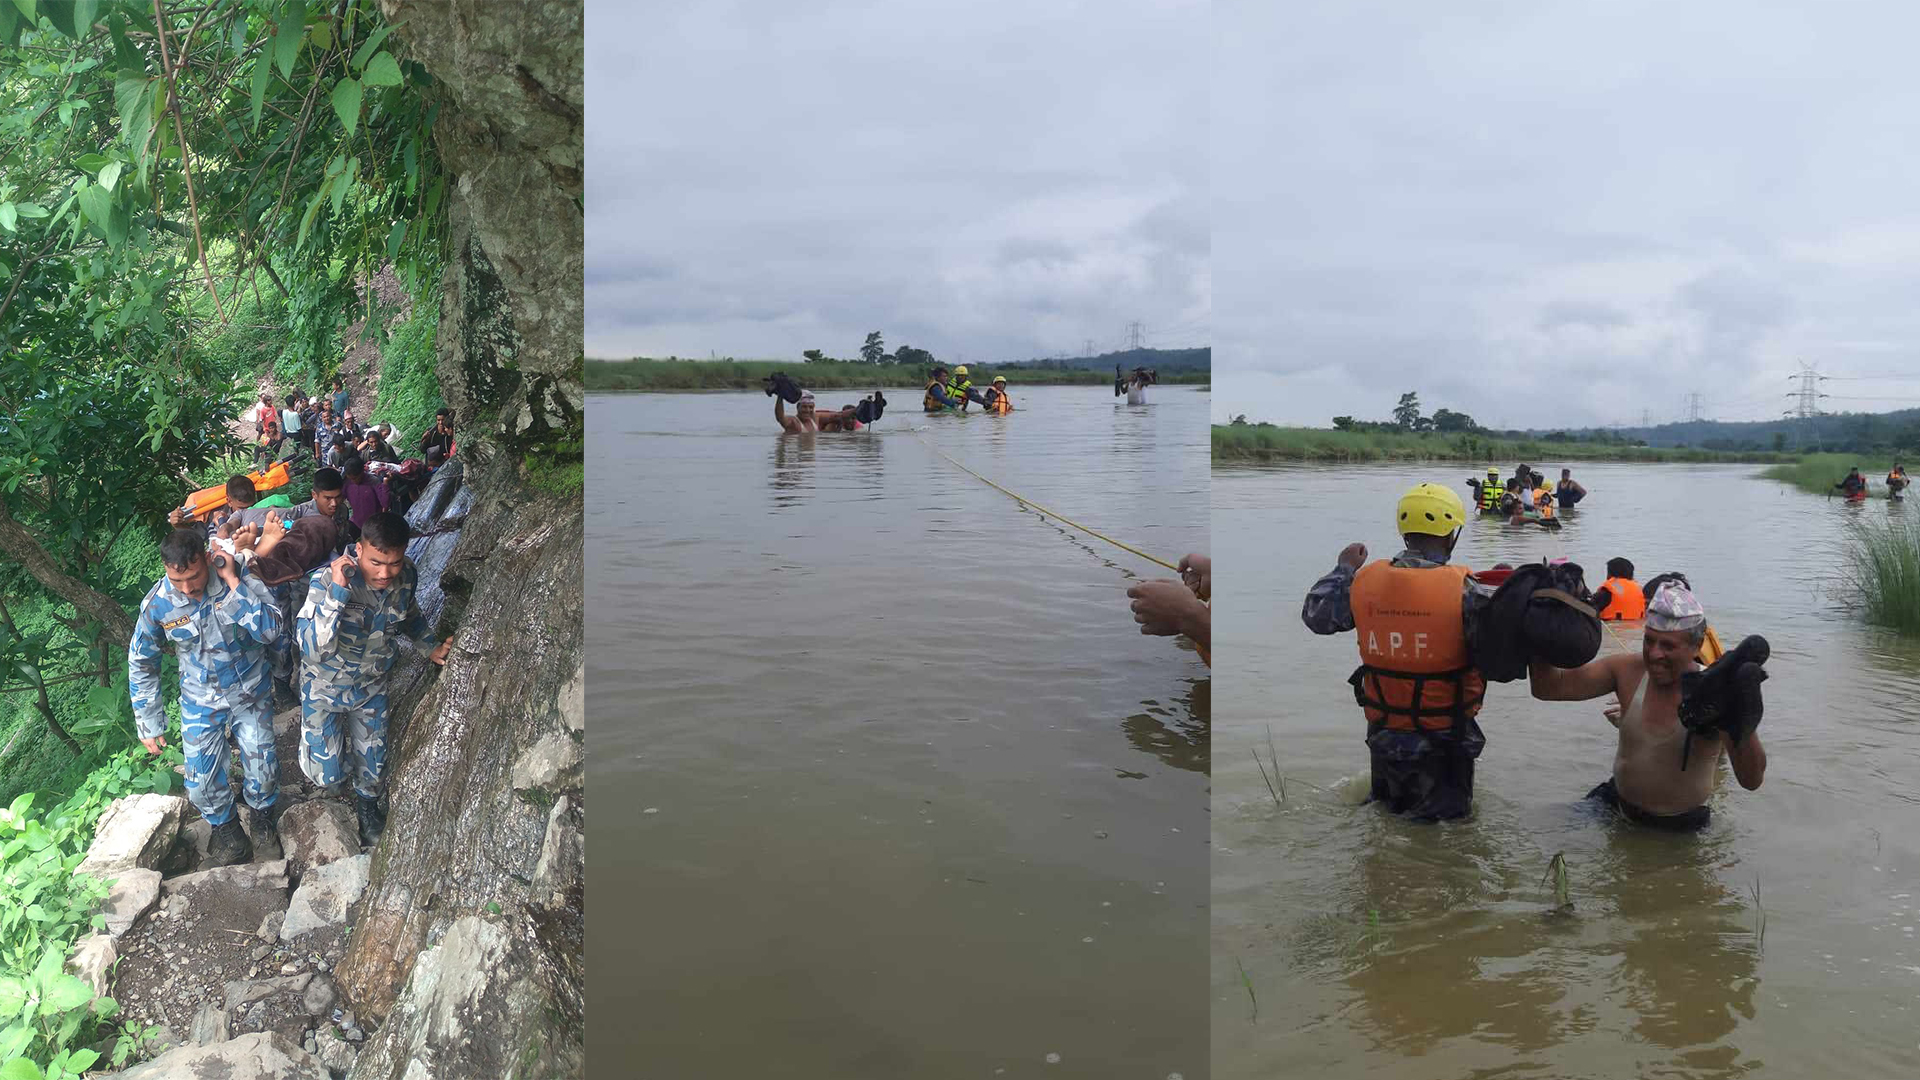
[1806, 399]
[1693, 407]
[1133, 335]
[1087, 349]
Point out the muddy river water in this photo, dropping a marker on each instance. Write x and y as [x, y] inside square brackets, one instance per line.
[890, 785]
[1378, 947]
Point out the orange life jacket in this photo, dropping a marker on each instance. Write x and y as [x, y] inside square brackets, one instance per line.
[1627, 601]
[1415, 672]
[1000, 403]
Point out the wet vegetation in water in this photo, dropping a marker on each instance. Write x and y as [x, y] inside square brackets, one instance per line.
[1880, 575]
[1818, 473]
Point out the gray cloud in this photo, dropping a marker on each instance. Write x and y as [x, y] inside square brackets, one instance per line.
[1552, 214]
[995, 180]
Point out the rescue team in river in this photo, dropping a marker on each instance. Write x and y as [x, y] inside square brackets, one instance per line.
[1854, 486]
[1524, 497]
[1425, 631]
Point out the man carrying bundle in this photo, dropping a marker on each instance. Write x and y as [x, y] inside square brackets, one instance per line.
[219, 621]
[1666, 767]
[357, 610]
[1416, 682]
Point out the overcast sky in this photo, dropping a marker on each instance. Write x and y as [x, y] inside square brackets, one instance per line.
[1550, 213]
[987, 179]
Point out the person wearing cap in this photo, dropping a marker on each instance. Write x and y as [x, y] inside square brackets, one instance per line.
[802, 418]
[1487, 493]
[997, 401]
[1650, 785]
[937, 399]
[1416, 682]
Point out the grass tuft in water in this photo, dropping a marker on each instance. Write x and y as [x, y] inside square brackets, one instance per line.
[1248, 983]
[1760, 913]
[1880, 574]
[1562, 883]
[1279, 793]
[1816, 474]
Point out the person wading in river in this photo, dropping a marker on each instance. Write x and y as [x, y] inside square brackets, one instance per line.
[1649, 786]
[802, 419]
[1416, 682]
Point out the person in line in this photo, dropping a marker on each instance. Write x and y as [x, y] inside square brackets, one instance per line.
[961, 388]
[1618, 598]
[1897, 481]
[802, 419]
[440, 436]
[997, 401]
[219, 621]
[1854, 484]
[1487, 493]
[376, 448]
[1568, 491]
[841, 419]
[267, 444]
[1164, 607]
[1649, 786]
[937, 398]
[290, 419]
[1416, 683]
[341, 399]
[365, 496]
[357, 610]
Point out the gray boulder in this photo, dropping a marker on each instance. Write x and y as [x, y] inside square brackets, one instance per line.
[318, 832]
[134, 892]
[324, 895]
[263, 1055]
[134, 831]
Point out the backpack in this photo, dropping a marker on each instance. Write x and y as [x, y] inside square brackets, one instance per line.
[1535, 612]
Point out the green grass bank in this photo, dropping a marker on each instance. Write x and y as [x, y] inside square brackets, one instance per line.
[602, 375]
[1261, 442]
[1817, 473]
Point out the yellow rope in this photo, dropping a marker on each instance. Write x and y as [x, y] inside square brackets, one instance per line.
[1023, 500]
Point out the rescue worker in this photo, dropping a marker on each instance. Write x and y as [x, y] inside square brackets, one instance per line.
[219, 621]
[357, 610]
[997, 400]
[1854, 484]
[1165, 607]
[1543, 501]
[960, 387]
[1486, 493]
[937, 399]
[1416, 682]
[1896, 481]
[1618, 597]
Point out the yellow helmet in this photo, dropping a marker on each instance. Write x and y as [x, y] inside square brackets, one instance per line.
[960, 369]
[999, 378]
[1430, 509]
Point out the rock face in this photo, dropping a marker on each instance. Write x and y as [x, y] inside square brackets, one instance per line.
[134, 891]
[317, 832]
[134, 831]
[260, 1056]
[92, 960]
[323, 897]
[464, 846]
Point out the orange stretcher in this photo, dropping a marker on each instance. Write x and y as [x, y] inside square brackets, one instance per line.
[207, 500]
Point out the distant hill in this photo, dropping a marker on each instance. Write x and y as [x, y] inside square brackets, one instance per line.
[1165, 361]
[1863, 432]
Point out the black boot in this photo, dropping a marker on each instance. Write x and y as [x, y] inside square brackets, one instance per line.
[266, 829]
[372, 821]
[229, 844]
[284, 695]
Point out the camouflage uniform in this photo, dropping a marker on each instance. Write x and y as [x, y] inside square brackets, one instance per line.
[349, 637]
[292, 595]
[222, 641]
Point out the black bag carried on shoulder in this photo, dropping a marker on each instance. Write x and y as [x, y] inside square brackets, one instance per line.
[1538, 612]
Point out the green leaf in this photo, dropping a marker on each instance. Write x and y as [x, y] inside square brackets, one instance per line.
[262, 72]
[65, 992]
[286, 40]
[28, 10]
[13, 995]
[15, 1037]
[90, 163]
[31, 210]
[306, 220]
[83, 16]
[81, 1060]
[20, 1069]
[21, 805]
[346, 102]
[382, 70]
[96, 203]
[394, 239]
[110, 174]
[366, 49]
[9, 216]
[119, 222]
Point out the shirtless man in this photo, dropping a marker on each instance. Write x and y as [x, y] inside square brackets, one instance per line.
[1648, 785]
[840, 420]
[802, 418]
